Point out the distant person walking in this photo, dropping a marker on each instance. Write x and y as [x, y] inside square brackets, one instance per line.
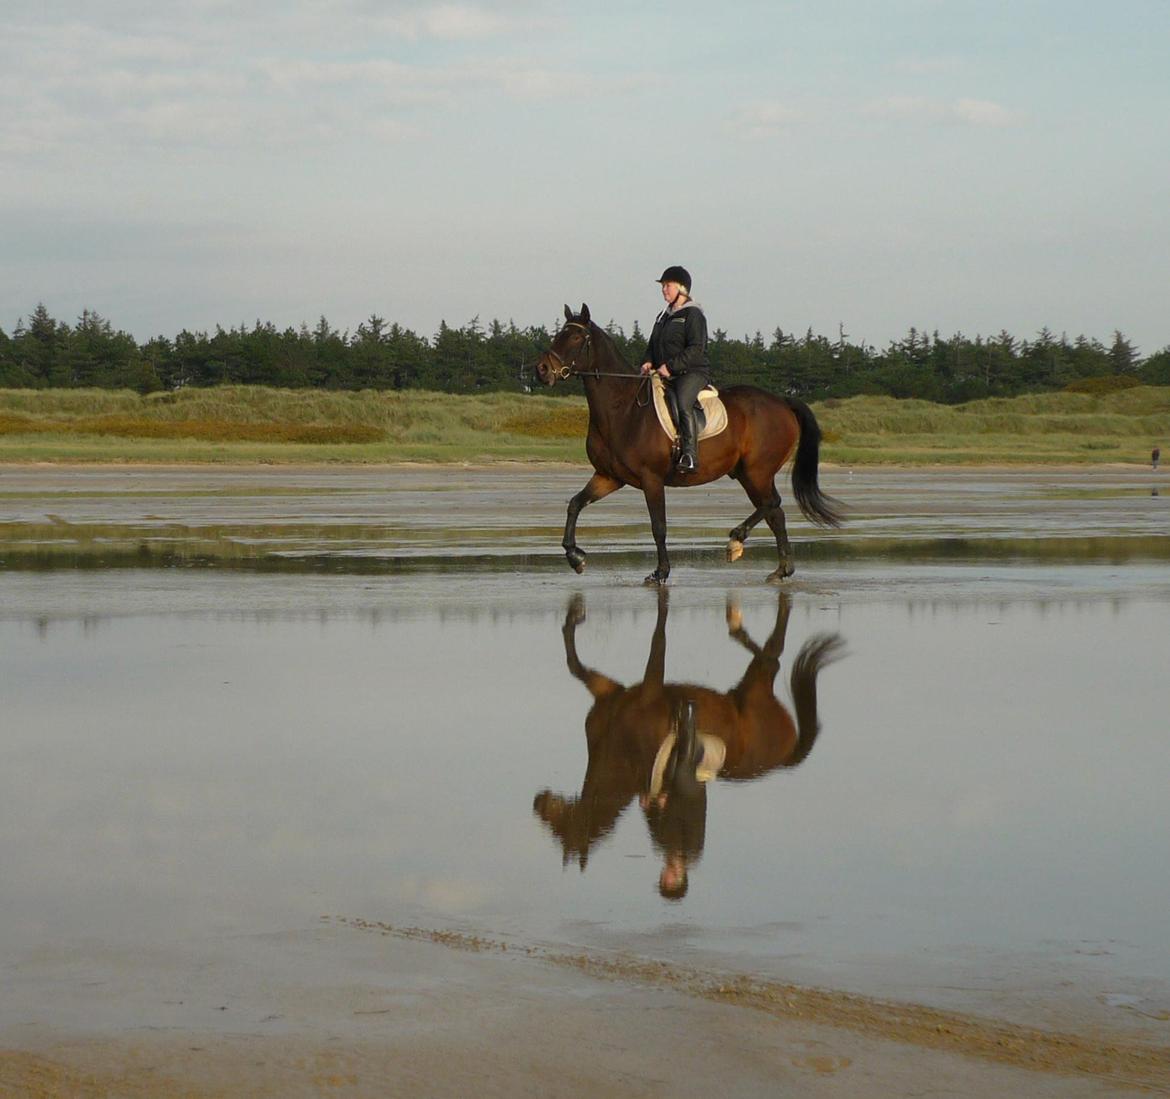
[1155, 457]
[677, 351]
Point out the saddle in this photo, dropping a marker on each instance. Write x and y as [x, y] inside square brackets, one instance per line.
[686, 759]
[710, 418]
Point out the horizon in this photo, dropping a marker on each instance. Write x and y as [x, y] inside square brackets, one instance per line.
[349, 331]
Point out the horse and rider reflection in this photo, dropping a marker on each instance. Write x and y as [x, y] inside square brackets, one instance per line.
[661, 743]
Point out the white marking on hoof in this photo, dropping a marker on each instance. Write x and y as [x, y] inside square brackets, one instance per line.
[734, 549]
[734, 617]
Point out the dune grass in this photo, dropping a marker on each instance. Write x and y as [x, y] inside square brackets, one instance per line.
[254, 424]
[1037, 428]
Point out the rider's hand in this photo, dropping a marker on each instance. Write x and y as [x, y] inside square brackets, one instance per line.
[664, 370]
[647, 368]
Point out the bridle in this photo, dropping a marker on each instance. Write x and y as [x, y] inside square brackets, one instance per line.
[566, 370]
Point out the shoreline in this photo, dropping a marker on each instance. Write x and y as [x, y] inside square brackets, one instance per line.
[537, 464]
[410, 1011]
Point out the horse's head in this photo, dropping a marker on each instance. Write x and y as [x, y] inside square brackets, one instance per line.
[577, 822]
[569, 350]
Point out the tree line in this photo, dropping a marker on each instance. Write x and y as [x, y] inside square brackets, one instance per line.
[43, 352]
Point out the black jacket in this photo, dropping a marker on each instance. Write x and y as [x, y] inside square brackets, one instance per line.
[680, 340]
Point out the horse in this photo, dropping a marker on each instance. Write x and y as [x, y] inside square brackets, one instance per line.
[627, 726]
[627, 446]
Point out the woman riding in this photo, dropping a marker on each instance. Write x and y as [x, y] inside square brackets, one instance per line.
[678, 352]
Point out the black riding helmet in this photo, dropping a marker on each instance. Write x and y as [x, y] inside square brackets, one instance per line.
[677, 274]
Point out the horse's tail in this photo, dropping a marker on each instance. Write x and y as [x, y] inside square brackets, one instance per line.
[816, 654]
[814, 505]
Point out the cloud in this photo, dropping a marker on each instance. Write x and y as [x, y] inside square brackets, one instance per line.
[329, 24]
[358, 83]
[982, 112]
[447, 22]
[417, 84]
[762, 120]
[131, 77]
[520, 79]
[971, 112]
[931, 66]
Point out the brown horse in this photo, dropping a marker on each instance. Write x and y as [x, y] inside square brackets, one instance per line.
[627, 446]
[627, 726]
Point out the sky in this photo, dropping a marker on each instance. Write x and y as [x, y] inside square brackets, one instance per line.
[966, 167]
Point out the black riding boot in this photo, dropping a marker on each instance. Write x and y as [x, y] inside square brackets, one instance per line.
[687, 460]
[680, 774]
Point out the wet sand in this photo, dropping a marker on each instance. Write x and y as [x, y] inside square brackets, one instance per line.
[353, 1006]
[373, 1011]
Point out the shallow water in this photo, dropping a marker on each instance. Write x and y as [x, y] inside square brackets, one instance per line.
[443, 518]
[198, 753]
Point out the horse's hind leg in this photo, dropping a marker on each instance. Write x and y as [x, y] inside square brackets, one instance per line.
[767, 501]
[773, 648]
[737, 536]
[597, 487]
[774, 517]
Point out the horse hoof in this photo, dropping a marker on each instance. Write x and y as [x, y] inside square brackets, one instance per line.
[576, 559]
[734, 550]
[781, 574]
[734, 617]
[655, 579]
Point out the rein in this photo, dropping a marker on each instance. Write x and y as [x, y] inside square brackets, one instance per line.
[566, 370]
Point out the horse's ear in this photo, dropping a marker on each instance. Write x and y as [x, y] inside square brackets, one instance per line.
[584, 313]
[568, 313]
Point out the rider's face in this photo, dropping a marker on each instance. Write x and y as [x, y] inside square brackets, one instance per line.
[674, 872]
[671, 290]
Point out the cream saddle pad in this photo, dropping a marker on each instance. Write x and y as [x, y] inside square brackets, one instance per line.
[714, 753]
[708, 398]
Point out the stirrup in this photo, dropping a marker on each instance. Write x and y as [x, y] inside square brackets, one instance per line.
[686, 464]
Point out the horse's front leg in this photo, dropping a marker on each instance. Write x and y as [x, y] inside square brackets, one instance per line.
[598, 486]
[655, 492]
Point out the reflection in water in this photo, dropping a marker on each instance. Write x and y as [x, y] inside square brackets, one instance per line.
[329, 553]
[662, 742]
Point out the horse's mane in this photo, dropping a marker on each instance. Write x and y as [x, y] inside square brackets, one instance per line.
[603, 336]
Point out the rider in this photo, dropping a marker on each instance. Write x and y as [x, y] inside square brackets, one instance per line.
[676, 804]
[678, 352]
